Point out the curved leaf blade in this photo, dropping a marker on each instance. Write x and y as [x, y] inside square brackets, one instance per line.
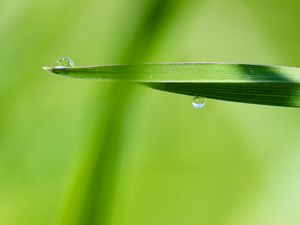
[258, 84]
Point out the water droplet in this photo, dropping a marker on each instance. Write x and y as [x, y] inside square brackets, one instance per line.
[65, 62]
[198, 102]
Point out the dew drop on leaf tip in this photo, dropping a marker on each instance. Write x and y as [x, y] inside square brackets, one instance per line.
[198, 102]
[64, 62]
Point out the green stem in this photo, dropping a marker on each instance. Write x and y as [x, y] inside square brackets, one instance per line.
[92, 200]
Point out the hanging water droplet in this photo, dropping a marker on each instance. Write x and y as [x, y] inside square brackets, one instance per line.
[198, 102]
[65, 62]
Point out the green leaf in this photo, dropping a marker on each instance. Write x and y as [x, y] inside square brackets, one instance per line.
[259, 84]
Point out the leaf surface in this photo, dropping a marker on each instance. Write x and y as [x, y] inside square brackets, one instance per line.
[259, 84]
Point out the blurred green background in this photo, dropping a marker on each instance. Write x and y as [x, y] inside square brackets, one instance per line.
[92, 152]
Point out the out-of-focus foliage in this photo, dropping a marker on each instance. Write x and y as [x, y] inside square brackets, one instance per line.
[226, 164]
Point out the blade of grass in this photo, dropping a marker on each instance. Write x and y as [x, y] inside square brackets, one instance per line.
[259, 84]
[93, 193]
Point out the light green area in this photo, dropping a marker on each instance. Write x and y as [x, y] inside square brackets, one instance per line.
[229, 163]
[183, 72]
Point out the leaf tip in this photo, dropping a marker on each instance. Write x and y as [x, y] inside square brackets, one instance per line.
[47, 68]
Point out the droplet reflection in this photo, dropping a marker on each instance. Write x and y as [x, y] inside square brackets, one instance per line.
[198, 102]
[65, 62]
